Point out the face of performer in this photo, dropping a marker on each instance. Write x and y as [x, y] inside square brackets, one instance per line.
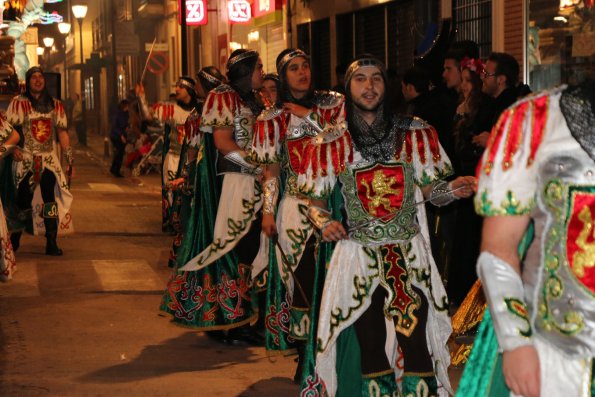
[257, 75]
[269, 90]
[182, 94]
[298, 76]
[466, 83]
[36, 83]
[452, 74]
[367, 89]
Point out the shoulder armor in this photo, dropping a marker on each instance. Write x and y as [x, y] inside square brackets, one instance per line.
[418, 124]
[269, 114]
[328, 99]
[223, 88]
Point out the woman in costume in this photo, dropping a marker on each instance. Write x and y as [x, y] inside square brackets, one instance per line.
[284, 140]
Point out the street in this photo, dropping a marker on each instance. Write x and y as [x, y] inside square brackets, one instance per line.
[88, 324]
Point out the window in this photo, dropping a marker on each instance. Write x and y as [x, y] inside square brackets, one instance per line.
[560, 37]
[473, 19]
[315, 39]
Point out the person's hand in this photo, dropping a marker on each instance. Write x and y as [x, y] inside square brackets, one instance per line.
[481, 139]
[17, 155]
[468, 185]
[521, 371]
[176, 183]
[123, 139]
[139, 89]
[334, 231]
[269, 226]
[295, 109]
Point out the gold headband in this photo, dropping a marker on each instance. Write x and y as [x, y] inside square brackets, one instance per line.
[240, 57]
[288, 57]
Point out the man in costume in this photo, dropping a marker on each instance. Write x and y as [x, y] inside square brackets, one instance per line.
[229, 114]
[172, 116]
[307, 140]
[382, 294]
[536, 190]
[42, 185]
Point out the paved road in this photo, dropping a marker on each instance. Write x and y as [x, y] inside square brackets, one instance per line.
[87, 324]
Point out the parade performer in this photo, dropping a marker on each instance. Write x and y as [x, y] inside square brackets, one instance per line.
[208, 79]
[9, 138]
[382, 294]
[172, 117]
[42, 185]
[228, 115]
[537, 175]
[286, 139]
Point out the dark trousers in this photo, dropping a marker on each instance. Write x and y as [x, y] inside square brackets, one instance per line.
[119, 147]
[81, 134]
[371, 335]
[25, 196]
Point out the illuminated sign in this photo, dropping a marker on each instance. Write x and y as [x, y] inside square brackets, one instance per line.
[239, 11]
[196, 12]
[263, 7]
[54, 17]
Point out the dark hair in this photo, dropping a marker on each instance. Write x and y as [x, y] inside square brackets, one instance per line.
[418, 78]
[241, 69]
[206, 83]
[341, 68]
[506, 65]
[461, 49]
[475, 97]
[123, 102]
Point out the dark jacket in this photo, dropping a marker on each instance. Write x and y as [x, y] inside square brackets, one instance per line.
[119, 124]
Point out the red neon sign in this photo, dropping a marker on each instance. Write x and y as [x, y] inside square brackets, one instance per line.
[239, 11]
[263, 7]
[196, 12]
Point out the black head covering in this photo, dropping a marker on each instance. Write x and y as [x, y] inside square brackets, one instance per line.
[210, 77]
[45, 102]
[240, 67]
[283, 60]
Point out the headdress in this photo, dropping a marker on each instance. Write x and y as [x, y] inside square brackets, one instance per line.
[473, 64]
[240, 57]
[281, 63]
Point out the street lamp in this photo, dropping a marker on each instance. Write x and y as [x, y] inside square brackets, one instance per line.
[48, 42]
[80, 11]
[64, 28]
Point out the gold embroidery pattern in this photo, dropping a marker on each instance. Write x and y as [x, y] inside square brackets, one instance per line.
[586, 257]
[378, 192]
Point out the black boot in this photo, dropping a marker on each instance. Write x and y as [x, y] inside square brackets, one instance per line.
[15, 239]
[51, 246]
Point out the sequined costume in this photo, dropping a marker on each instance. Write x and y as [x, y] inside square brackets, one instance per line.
[7, 258]
[540, 163]
[171, 116]
[311, 168]
[40, 156]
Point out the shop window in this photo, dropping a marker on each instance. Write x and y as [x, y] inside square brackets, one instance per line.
[473, 19]
[89, 94]
[560, 40]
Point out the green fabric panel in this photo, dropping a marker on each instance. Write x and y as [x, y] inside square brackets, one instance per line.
[592, 377]
[386, 386]
[410, 383]
[482, 362]
[194, 298]
[349, 368]
[310, 383]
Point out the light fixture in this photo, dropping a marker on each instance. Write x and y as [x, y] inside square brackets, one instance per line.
[79, 11]
[64, 27]
[40, 51]
[560, 18]
[48, 41]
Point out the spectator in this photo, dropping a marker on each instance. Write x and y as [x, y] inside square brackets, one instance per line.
[500, 78]
[118, 136]
[77, 118]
